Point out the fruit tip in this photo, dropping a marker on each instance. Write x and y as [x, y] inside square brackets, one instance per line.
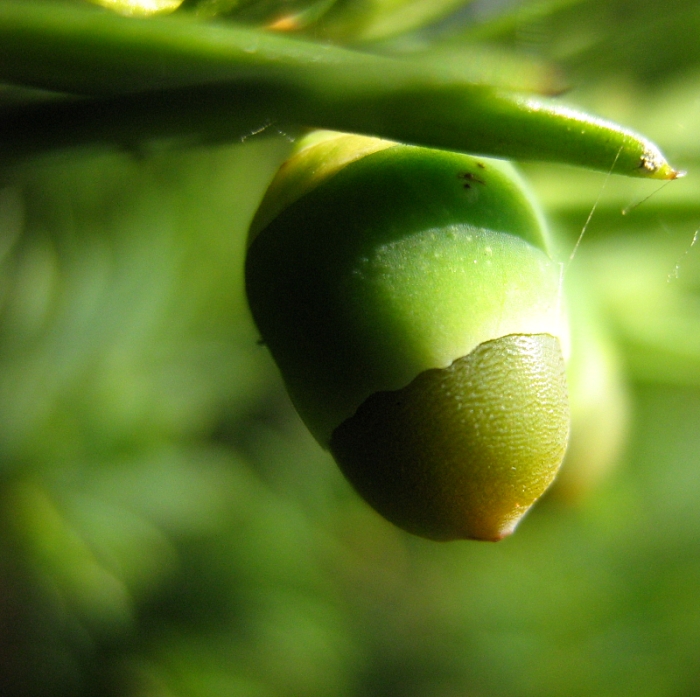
[492, 533]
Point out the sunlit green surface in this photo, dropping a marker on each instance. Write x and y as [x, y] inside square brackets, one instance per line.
[188, 78]
[169, 528]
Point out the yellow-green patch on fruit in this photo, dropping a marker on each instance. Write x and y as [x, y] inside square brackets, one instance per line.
[464, 451]
[319, 156]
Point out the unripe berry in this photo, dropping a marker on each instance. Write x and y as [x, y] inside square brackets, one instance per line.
[409, 301]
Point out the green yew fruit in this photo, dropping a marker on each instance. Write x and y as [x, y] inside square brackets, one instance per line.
[409, 300]
[599, 400]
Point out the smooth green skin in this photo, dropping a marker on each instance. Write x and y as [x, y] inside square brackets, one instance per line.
[403, 261]
[173, 76]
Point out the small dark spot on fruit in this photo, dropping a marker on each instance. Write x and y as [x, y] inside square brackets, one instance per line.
[481, 165]
[469, 177]
[467, 185]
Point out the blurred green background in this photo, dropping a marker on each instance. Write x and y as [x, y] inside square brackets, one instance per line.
[169, 529]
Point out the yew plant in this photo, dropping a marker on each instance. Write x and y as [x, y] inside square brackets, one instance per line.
[452, 237]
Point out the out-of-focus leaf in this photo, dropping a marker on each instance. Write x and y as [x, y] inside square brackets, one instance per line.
[367, 21]
[353, 21]
[641, 38]
[651, 291]
[64, 561]
[140, 8]
[280, 15]
[118, 323]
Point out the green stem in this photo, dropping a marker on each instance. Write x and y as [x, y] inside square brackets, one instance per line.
[215, 73]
